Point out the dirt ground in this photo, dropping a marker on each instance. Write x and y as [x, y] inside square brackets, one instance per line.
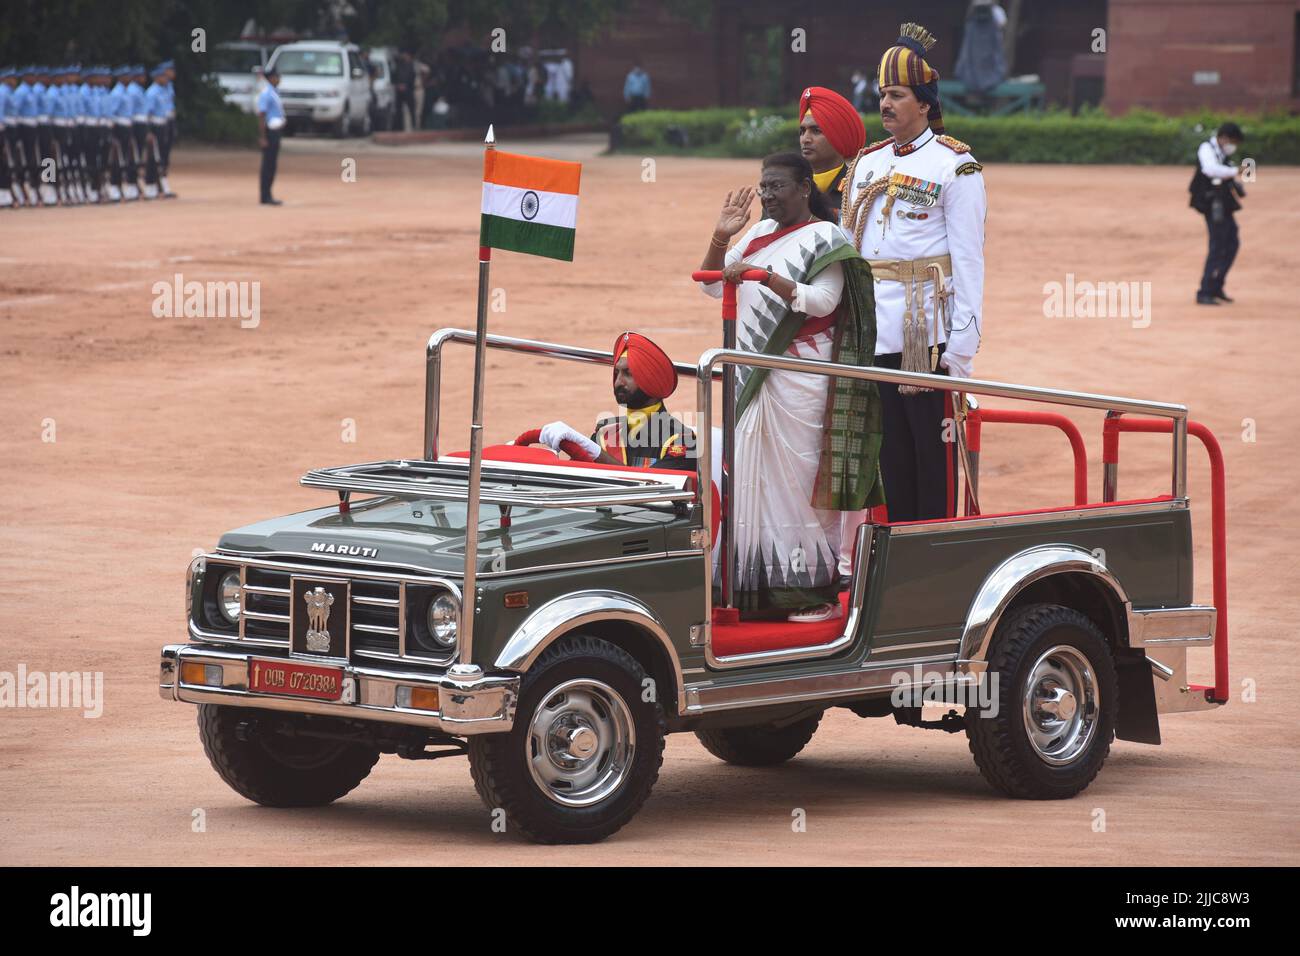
[168, 431]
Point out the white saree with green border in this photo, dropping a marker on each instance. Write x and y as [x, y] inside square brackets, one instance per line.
[806, 445]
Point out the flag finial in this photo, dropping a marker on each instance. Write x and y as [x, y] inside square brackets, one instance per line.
[491, 137]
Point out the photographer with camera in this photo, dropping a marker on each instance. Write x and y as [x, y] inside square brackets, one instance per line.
[1216, 188]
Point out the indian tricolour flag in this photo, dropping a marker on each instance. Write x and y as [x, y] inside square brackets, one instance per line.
[529, 204]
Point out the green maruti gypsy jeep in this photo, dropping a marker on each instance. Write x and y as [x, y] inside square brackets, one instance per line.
[587, 631]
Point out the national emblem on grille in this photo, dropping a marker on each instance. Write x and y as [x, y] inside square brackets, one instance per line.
[319, 601]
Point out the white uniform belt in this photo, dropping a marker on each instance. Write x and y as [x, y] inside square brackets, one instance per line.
[914, 273]
[905, 270]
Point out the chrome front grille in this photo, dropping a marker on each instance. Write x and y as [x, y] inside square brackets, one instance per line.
[264, 613]
[377, 617]
[378, 612]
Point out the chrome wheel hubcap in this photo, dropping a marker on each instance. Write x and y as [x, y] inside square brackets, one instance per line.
[1061, 704]
[580, 743]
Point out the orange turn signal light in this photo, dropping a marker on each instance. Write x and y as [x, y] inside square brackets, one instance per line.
[193, 672]
[516, 599]
[424, 698]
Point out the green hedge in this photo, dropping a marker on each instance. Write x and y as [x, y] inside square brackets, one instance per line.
[227, 125]
[210, 119]
[1047, 137]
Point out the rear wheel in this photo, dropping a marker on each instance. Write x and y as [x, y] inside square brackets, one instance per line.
[762, 745]
[273, 759]
[1057, 698]
[585, 749]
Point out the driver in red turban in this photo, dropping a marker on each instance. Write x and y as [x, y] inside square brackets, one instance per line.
[830, 132]
[645, 435]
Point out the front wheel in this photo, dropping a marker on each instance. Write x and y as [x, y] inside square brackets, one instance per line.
[276, 760]
[585, 749]
[1056, 702]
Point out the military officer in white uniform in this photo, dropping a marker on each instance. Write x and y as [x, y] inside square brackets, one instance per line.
[915, 206]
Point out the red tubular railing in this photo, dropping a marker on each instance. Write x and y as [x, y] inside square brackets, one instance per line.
[1114, 425]
[976, 417]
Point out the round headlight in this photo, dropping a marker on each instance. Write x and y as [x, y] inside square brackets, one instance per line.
[228, 596]
[442, 620]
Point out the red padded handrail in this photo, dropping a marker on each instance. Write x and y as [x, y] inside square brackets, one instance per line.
[977, 416]
[729, 289]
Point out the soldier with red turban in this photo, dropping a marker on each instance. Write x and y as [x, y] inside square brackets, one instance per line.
[645, 435]
[830, 132]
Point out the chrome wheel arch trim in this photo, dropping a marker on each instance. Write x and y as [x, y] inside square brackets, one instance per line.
[1013, 575]
[570, 612]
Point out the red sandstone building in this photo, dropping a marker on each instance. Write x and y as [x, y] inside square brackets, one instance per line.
[1168, 55]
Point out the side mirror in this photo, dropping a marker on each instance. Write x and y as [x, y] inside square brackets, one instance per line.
[357, 73]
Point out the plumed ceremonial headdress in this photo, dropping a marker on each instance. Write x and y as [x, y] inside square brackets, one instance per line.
[904, 65]
[648, 363]
[836, 116]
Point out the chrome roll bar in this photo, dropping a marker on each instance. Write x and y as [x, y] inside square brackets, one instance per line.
[711, 361]
[709, 369]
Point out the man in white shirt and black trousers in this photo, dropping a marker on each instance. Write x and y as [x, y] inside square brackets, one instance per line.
[915, 205]
[1215, 187]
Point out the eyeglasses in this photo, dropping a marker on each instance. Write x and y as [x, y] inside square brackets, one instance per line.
[771, 189]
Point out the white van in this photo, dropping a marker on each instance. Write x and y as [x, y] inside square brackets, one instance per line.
[323, 84]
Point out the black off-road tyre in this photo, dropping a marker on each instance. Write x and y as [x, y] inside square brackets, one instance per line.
[501, 763]
[762, 745]
[1002, 745]
[279, 771]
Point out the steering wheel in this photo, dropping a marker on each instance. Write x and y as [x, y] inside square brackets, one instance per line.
[570, 448]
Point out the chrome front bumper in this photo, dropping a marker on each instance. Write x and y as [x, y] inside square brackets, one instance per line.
[483, 705]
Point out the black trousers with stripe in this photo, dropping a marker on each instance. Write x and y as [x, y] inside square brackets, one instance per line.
[919, 468]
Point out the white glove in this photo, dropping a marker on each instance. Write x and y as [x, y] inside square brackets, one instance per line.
[958, 366]
[557, 432]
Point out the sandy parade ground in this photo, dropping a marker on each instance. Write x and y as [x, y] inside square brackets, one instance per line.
[131, 440]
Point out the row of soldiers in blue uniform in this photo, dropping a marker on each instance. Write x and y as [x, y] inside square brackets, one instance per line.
[71, 135]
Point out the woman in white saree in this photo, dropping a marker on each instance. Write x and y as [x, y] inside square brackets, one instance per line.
[806, 445]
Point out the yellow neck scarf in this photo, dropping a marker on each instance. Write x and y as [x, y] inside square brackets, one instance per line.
[824, 180]
[637, 417]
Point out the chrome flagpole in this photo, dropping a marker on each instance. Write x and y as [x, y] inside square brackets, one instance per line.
[469, 597]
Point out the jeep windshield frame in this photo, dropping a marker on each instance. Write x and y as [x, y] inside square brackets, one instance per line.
[504, 483]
